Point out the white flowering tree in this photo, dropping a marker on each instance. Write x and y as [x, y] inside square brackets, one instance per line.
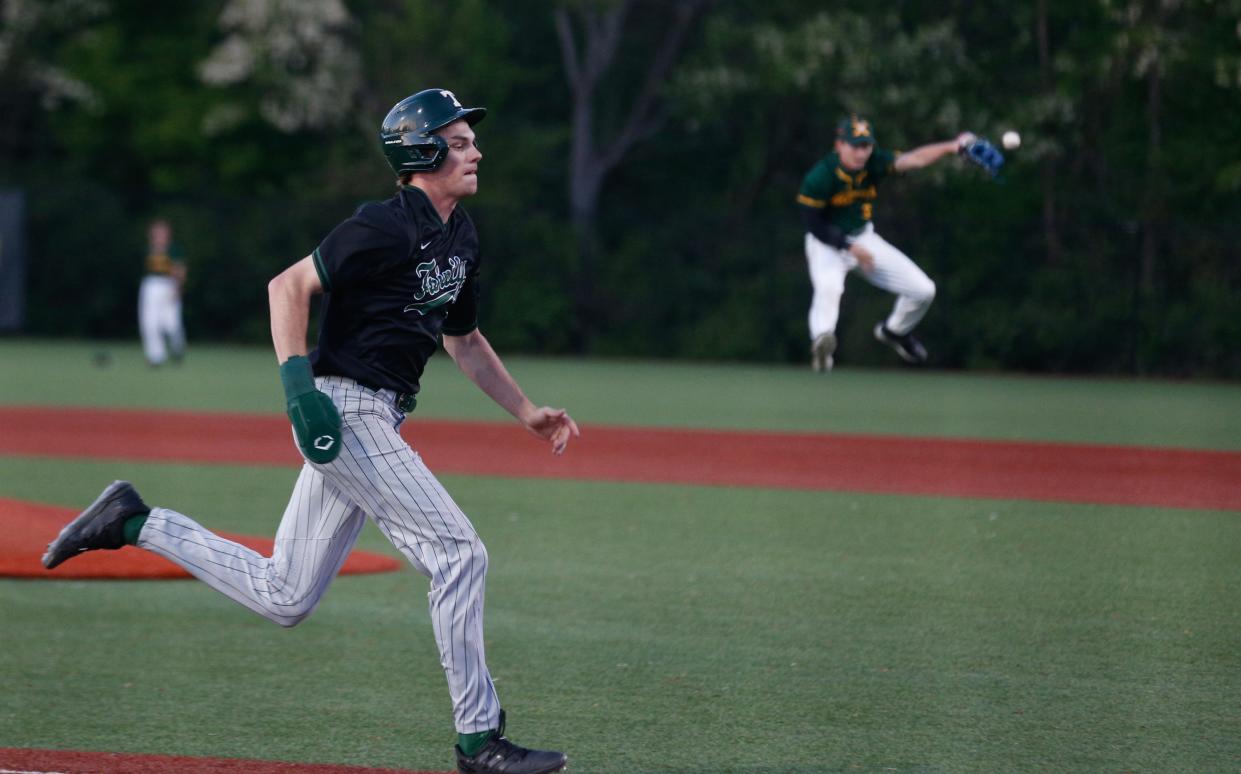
[291, 60]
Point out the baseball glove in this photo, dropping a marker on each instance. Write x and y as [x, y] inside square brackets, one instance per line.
[981, 152]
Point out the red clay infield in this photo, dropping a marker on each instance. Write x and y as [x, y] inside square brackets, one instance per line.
[28, 527]
[1080, 473]
[18, 761]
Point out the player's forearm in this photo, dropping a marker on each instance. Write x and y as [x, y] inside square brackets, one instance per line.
[290, 317]
[288, 296]
[480, 363]
[925, 155]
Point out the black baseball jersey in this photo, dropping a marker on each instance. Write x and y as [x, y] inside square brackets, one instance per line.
[394, 278]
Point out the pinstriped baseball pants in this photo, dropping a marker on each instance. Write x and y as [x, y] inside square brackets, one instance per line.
[377, 475]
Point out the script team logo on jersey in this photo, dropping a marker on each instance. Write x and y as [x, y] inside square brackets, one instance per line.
[439, 287]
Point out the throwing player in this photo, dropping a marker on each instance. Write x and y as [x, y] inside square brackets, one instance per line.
[397, 276]
[159, 297]
[837, 202]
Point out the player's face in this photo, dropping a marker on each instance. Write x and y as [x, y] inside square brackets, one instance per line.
[459, 173]
[159, 235]
[854, 156]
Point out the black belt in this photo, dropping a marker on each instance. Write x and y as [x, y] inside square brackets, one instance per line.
[406, 401]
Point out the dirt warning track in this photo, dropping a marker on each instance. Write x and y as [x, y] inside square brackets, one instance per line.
[1079, 473]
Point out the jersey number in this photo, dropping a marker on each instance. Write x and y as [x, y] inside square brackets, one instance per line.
[867, 209]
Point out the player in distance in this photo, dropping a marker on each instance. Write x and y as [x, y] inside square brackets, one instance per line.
[837, 203]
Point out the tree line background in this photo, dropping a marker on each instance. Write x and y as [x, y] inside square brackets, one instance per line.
[640, 164]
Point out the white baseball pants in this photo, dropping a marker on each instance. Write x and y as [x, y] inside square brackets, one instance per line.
[894, 272]
[159, 318]
[377, 475]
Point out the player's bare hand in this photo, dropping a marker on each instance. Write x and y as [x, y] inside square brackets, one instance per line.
[865, 261]
[554, 426]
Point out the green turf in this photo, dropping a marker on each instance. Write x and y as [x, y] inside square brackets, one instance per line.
[663, 628]
[669, 629]
[897, 401]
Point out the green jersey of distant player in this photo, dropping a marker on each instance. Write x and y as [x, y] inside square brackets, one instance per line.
[847, 196]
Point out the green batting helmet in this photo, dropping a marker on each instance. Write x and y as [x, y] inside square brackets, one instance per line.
[408, 133]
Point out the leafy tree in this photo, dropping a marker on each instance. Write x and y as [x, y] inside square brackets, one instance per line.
[640, 161]
[33, 80]
[590, 36]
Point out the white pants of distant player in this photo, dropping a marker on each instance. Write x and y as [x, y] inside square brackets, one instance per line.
[893, 272]
[376, 476]
[159, 318]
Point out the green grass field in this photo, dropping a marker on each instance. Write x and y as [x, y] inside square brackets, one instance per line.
[897, 401]
[658, 628]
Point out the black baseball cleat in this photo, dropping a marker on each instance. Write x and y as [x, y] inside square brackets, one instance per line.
[905, 345]
[99, 526]
[500, 756]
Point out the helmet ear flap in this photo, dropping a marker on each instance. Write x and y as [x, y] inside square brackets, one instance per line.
[411, 152]
[428, 154]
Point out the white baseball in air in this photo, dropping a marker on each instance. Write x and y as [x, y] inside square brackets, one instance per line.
[1010, 140]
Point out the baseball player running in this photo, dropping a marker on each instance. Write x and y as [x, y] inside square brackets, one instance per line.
[837, 201]
[159, 297]
[396, 277]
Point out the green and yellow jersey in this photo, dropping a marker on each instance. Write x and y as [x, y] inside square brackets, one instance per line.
[846, 198]
[163, 262]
